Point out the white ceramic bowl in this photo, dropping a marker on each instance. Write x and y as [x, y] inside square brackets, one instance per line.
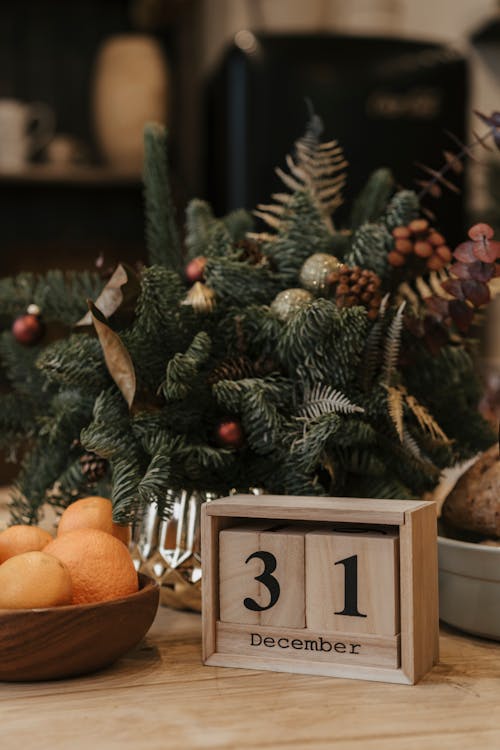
[469, 587]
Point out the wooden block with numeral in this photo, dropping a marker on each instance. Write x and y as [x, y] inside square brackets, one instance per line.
[262, 576]
[287, 545]
[352, 581]
[238, 573]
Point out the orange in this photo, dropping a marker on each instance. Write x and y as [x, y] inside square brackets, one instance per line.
[92, 513]
[33, 580]
[20, 538]
[100, 565]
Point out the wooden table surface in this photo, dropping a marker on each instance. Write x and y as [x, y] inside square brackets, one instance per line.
[160, 696]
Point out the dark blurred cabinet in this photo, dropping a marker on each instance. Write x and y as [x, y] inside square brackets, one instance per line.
[68, 222]
[388, 102]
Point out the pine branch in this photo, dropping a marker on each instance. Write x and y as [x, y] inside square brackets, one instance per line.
[17, 421]
[369, 249]
[309, 446]
[183, 368]
[199, 221]
[17, 363]
[360, 461]
[61, 296]
[403, 207]
[372, 200]
[238, 223]
[324, 343]
[161, 232]
[241, 283]
[75, 362]
[302, 232]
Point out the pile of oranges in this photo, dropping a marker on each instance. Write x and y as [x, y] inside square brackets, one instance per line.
[88, 561]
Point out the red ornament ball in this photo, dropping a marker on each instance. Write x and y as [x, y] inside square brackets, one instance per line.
[28, 329]
[195, 269]
[229, 434]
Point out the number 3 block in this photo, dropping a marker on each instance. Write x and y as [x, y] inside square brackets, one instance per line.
[262, 575]
[352, 582]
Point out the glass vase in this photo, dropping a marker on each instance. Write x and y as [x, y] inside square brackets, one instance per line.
[169, 550]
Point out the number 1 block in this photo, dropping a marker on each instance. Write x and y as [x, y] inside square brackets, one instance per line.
[352, 581]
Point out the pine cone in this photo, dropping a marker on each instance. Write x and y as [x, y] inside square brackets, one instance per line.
[357, 286]
[93, 467]
[251, 252]
[232, 368]
[237, 368]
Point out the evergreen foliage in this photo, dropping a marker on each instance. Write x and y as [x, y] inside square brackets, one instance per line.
[401, 209]
[369, 249]
[331, 399]
[161, 230]
[372, 201]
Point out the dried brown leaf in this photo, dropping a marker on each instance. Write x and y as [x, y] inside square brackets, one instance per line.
[118, 360]
[123, 285]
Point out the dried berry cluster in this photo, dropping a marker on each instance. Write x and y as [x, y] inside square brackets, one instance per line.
[356, 286]
[468, 284]
[420, 239]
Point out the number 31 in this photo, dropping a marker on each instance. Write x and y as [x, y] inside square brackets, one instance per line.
[272, 584]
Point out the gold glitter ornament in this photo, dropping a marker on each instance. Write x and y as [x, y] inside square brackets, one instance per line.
[315, 271]
[289, 302]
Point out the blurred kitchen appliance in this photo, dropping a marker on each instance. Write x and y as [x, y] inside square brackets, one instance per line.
[388, 102]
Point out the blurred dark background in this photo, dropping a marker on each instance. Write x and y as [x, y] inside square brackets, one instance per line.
[230, 80]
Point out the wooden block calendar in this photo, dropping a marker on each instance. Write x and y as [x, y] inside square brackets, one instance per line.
[331, 586]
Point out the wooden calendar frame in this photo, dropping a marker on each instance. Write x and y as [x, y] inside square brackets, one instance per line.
[419, 636]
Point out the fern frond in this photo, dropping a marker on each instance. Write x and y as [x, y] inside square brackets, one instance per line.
[323, 399]
[392, 344]
[411, 445]
[406, 292]
[316, 167]
[268, 218]
[261, 236]
[425, 419]
[371, 356]
[289, 181]
[395, 406]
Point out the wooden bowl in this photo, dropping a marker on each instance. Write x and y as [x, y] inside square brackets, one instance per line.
[58, 642]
